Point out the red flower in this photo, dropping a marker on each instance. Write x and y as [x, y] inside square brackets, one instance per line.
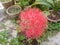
[33, 22]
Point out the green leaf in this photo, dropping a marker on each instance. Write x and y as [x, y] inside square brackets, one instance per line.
[54, 4]
[21, 38]
[42, 3]
[4, 33]
[14, 41]
[23, 2]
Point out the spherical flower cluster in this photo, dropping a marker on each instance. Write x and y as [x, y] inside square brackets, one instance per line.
[32, 22]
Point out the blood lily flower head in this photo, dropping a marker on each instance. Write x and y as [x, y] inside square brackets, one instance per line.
[32, 22]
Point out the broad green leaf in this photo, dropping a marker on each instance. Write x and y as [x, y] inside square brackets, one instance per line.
[21, 38]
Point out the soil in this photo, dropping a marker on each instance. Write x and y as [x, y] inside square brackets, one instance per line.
[55, 17]
[58, 12]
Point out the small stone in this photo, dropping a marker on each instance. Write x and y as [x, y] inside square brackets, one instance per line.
[14, 33]
[9, 24]
[55, 40]
[0, 44]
